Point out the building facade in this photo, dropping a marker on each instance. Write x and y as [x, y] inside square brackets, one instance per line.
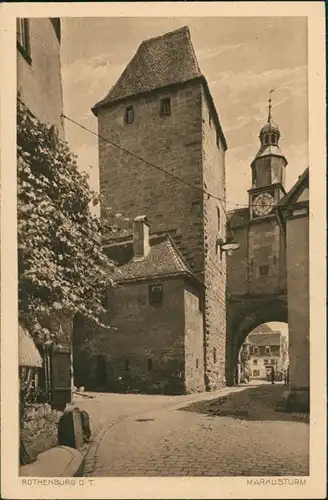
[256, 273]
[39, 82]
[156, 309]
[39, 87]
[162, 111]
[293, 214]
[267, 350]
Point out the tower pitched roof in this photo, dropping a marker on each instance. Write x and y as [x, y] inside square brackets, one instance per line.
[159, 62]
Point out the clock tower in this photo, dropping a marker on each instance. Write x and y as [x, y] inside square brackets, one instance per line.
[268, 172]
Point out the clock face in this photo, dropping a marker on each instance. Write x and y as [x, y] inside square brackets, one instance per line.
[263, 204]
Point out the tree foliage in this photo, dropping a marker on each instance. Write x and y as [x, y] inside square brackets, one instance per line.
[60, 260]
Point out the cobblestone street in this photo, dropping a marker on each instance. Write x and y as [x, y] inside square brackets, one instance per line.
[232, 432]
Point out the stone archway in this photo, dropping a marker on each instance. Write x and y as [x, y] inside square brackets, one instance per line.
[245, 314]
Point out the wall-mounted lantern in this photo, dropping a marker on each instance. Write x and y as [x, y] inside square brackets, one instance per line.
[227, 246]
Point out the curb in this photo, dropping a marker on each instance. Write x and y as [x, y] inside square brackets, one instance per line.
[60, 461]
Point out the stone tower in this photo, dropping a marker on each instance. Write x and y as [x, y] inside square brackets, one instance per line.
[162, 111]
[256, 273]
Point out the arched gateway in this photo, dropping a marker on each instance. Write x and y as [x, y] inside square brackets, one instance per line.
[256, 272]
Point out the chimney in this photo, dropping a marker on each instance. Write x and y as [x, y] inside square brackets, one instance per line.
[140, 237]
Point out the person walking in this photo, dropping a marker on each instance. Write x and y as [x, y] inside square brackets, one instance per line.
[272, 375]
[287, 377]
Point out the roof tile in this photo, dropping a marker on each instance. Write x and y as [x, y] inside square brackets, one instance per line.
[163, 259]
[158, 62]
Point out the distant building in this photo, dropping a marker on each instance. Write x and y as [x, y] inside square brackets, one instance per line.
[266, 349]
[162, 110]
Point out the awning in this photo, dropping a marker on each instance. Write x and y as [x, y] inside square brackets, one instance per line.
[28, 353]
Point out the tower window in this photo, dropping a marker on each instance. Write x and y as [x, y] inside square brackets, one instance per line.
[266, 140]
[129, 115]
[273, 139]
[23, 38]
[155, 294]
[165, 107]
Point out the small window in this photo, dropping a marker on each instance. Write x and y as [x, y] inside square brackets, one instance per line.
[127, 365]
[267, 350]
[264, 270]
[197, 363]
[155, 294]
[219, 219]
[165, 107]
[266, 361]
[23, 38]
[129, 115]
[214, 355]
[254, 361]
[150, 364]
[272, 361]
[256, 373]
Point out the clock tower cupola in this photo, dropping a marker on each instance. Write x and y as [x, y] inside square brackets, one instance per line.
[268, 171]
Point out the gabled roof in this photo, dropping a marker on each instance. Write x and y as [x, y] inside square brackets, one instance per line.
[163, 259]
[158, 62]
[262, 329]
[292, 195]
[264, 339]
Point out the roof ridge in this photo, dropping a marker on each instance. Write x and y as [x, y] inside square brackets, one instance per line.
[166, 35]
[177, 253]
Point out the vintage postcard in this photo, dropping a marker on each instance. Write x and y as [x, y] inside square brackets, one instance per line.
[163, 294]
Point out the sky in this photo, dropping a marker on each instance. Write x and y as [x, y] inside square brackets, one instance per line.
[242, 60]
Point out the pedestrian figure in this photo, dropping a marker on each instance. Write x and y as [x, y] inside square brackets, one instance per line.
[272, 375]
[287, 377]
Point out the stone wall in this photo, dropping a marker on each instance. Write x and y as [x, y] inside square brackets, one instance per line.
[39, 80]
[185, 144]
[194, 341]
[39, 431]
[215, 264]
[146, 353]
[173, 143]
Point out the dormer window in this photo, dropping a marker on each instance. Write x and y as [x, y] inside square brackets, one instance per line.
[165, 107]
[129, 115]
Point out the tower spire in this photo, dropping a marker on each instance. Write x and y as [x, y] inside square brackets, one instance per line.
[270, 106]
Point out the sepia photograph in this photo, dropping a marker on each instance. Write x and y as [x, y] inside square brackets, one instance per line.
[163, 178]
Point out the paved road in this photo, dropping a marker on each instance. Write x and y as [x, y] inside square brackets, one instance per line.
[200, 435]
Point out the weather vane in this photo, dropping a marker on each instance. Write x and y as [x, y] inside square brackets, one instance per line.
[270, 106]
